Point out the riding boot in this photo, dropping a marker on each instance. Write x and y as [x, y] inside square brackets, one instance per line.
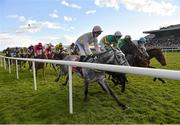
[82, 58]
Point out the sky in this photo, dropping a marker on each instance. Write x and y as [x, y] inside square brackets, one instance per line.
[26, 22]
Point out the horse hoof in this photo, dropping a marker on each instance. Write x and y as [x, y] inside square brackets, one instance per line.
[125, 107]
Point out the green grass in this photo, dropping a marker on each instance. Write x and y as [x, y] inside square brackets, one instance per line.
[149, 102]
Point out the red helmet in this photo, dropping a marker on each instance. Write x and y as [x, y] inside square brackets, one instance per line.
[39, 44]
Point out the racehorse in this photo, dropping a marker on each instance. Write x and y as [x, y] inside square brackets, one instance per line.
[159, 56]
[7, 54]
[20, 54]
[134, 56]
[113, 56]
[117, 78]
[38, 65]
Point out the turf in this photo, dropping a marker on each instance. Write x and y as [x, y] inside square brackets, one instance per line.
[149, 102]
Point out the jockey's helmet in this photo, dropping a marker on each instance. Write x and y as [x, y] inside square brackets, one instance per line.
[97, 29]
[142, 40]
[118, 34]
[127, 38]
[39, 44]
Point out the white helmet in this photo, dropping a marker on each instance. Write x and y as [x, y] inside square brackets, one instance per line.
[117, 33]
[96, 29]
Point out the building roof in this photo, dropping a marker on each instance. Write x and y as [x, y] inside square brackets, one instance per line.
[162, 29]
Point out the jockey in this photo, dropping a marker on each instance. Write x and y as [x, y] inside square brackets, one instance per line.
[86, 39]
[30, 50]
[121, 42]
[15, 52]
[59, 47]
[109, 40]
[8, 53]
[141, 42]
[71, 48]
[48, 50]
[39, 50]
[141, 46]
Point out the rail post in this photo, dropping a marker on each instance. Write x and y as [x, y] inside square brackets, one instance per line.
[4, 63]
[70, 90]
[1, 62]
[17, 72]
[34, 76]
[9, 64]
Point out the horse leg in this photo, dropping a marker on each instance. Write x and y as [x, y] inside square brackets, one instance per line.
[30, 66]
[54, 67]
[58, 77]
[86, 84]
[163, 81]
[114, 81]
[154, 79]
[102, 86]
[109, 77]
[105, 87]
[124, 81]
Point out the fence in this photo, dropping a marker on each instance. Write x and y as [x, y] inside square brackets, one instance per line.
[161, 73]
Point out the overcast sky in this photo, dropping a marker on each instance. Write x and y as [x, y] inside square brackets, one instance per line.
[25, 22]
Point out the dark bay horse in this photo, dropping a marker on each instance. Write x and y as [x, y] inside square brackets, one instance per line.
[20, 54]
[38, 65]
[134, 56]
[7, 54]
[159, 56]
[91, 75]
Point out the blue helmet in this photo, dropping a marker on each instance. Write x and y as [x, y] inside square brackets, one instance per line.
[142, 40]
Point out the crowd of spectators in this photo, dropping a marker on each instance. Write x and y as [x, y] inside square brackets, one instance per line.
[163, 43]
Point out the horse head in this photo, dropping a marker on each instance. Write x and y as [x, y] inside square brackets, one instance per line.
[158, 54]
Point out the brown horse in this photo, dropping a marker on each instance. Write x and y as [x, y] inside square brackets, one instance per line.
[135, 57]
[158, 55]
[40, 65]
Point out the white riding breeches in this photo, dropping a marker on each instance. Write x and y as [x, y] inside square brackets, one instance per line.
[81, 49]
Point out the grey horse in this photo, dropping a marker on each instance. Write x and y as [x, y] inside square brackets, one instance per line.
[113, 56]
